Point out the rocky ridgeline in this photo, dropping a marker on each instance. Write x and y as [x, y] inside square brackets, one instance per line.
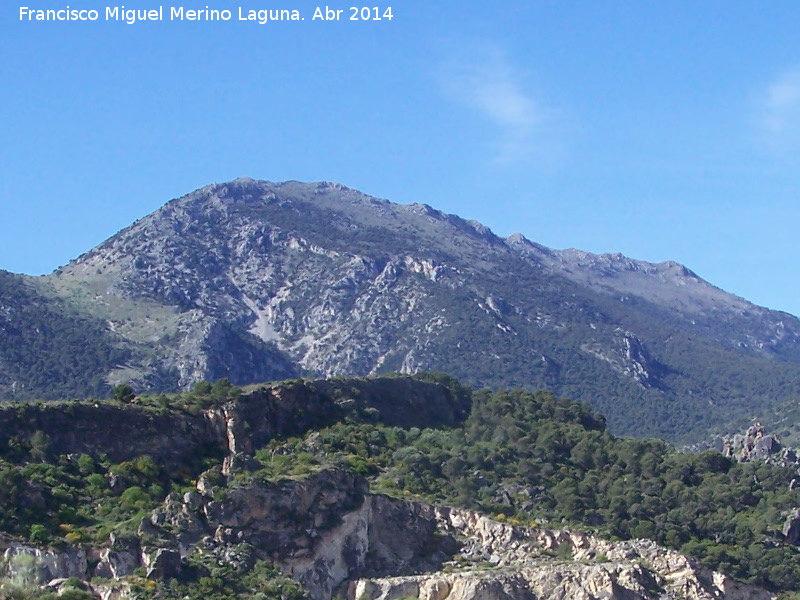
[330, 534]
[178, 435]
[255, 281]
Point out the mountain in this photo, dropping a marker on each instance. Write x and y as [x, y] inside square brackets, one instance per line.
[253, 280]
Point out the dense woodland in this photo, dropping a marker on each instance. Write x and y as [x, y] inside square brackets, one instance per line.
[48, 351]
[526, 458]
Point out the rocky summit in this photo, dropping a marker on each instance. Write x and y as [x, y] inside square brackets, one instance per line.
[253, 281]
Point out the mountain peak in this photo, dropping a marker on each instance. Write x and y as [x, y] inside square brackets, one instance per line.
[256, 280]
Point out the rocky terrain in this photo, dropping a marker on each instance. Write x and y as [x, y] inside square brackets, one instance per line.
[123, 432]
[332, 536]
[355, 488]
[523, 566]
[253, 281]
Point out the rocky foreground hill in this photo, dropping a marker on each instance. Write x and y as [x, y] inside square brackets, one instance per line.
[254, 281]
[333, 537]
[342, 489]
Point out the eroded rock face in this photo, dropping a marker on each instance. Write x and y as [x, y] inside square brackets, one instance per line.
[114, 564]
[283, 519]
[525, 568]
[628, 355]
[328, 533]
[322, 530]
[27, 566]
[162, 564]
[236, 427]
[508, 586]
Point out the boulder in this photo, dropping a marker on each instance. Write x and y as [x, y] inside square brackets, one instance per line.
[791, 527]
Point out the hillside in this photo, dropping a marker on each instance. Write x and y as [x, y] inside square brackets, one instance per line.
[48, 350]
[377, 488]
[252, 281]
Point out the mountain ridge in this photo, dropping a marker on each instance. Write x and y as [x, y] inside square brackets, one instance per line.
[254, 280]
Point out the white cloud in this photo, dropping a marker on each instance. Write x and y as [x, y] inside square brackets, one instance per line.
[485, 80]
[781, 111]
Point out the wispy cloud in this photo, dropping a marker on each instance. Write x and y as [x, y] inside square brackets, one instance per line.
[780, 122]
[485, 80]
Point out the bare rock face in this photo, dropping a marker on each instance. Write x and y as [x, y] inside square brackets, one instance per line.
[27, 566]
[329, 534]
[523, 566]
[628, 356]
[559, 582]
[163, 564]
[508, 586]
[791, 527]
[113, 564]
[277, 517]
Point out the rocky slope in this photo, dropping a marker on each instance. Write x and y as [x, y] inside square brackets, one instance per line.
[328, 533]
[523, 566]
[273, 492]
[715, 313]
[254, 280]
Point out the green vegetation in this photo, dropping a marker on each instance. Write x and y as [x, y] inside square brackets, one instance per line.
[526, 458]
[73, 589]
[211, 579]
[69, 500]
[48, 351]
[534, 459]
[75, 498]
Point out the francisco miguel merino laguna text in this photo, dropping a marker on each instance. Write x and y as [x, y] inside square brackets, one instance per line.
[175, 13]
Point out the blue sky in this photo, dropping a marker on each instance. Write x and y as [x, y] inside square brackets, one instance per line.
[660, 130]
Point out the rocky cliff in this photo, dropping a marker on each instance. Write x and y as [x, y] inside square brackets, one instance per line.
[273, 491]
[247, 421]
[518, 562]
[328, 533]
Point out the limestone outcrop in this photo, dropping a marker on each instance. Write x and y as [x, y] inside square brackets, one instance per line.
[503, 562]
[756, 444]
[327, 532]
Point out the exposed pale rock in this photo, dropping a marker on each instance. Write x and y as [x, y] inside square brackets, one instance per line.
[162, 563]
[628, 570]
[328, 533]
[113, 565]
[27, 566]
